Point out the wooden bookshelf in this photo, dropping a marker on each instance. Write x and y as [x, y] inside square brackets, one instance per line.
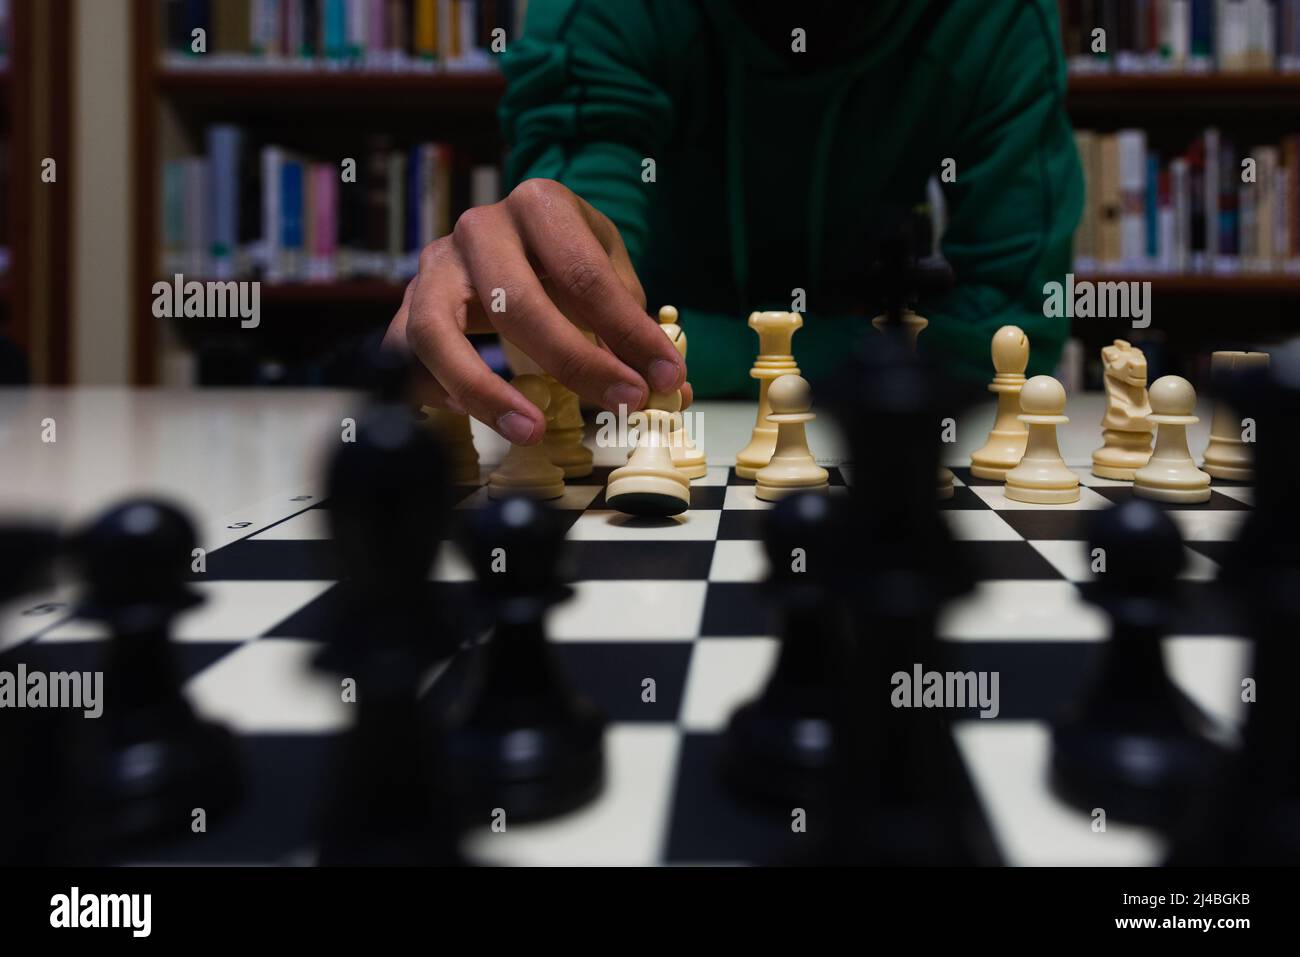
[1181, 93]
[457, 106]
[461, 100]
[1198, 284]
[467, 91]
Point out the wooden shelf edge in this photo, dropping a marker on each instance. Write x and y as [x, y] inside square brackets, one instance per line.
[315, 293]
[268, 82]
[1185, 83]
[1279, 284]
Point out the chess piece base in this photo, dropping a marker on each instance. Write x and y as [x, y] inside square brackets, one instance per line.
[1042, 496]
[688, 460]
[1228, 459]
[654, 495]
[693, 471]
[1180, 496]
[774, 493]
[1228, 473]
[1111, 472]
[500, 488]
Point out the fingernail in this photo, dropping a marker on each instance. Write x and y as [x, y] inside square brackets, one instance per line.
[623, 393]
[515, 427]
[663, 375]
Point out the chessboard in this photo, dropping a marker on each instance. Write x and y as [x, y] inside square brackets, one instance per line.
[681, 601]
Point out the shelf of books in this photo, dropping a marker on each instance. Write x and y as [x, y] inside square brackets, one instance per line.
[1187, 111]
[243, 177]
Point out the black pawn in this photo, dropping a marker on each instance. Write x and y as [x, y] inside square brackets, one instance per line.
[1134, 744]
[779, 747]
[387, 516]
[900, 793]
[1255, 817]
[144, 766]
[519, 737]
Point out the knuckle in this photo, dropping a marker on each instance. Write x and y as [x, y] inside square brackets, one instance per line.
[581, 278]
[434, 254]
[471, 222]
[534, 192]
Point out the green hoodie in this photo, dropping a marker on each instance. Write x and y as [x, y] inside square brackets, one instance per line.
[770, 178]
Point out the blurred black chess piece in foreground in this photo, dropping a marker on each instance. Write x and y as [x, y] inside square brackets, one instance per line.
[1134, 743]
[1255, 817]
[519, 737]
[901, 793]
[388, 515]
[779, 747]
[140, 770]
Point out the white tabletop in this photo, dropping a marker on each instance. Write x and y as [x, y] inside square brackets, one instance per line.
[220, 450]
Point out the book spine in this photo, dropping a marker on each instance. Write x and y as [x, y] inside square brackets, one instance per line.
[426, 29]
[1211, 186]
[1281, 218]
[1152, 250]
[1165, 223]
[173, 217]
[376, 184]
[1180, 199]
[291, 216]
[1229, 176]
[414, 172]
[198, 16]
[325, 222]
[264, 28]
[196, 216]
[485, 185]
[428, 194]
[223, 149]
[1132, 184]
[334, 29]
[272, 208]
[309, 38]
[358, 23]
[398, 30]
[1266, 207]
[1202, 30]
[396, 212]
[1110, 198]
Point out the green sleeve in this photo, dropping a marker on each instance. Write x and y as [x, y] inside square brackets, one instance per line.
[584, 103]
[1015, 203]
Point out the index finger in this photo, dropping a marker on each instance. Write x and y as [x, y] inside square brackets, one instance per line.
[560, 239]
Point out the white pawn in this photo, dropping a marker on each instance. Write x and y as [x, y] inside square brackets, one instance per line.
[1041, 477]
[527, 470]
[792, 468]
[1172, 475]
[650, 484]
